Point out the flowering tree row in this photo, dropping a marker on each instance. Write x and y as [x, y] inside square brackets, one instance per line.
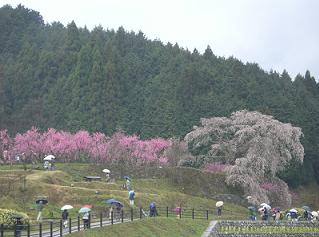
[34, 145]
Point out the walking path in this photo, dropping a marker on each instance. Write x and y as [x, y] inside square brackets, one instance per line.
[74, 228]
[209, 229]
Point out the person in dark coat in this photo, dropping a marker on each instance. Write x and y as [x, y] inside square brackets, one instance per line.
[18, 227]
[65, 216]
[265, 214]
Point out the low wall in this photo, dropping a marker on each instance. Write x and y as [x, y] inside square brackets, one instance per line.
[241, 227]
[266, 235]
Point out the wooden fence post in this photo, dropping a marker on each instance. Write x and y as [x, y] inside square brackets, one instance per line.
[70, 225]
[79, 224]
[122, 215]
[28, 230]
[166, 211]
[1, 232]
[206, 214]
[61, 230]
[51, 228]
[101, 219]
[112, 215]
[40, 229]
[140, 213]
[132, 214]
[193, 214]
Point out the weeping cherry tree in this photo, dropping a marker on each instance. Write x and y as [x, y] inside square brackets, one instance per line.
[255, 147]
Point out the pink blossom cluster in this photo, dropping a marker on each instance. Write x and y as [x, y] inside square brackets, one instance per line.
[269, 186]
[215, 167]
[35, 144]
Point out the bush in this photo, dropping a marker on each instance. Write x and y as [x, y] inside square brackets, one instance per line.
[8, 217]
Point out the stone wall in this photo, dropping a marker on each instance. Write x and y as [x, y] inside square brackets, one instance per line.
[266, 235]
[259, 224]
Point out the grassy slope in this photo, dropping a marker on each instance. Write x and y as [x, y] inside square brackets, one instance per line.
[151, 227]
[65, 186]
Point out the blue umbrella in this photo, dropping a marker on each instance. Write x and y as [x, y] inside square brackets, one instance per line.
[126, 177]
[84, 210]
[113, 201]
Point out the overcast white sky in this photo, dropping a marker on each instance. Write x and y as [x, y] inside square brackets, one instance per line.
[276, 34]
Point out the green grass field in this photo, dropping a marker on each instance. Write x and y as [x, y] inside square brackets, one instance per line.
[150, 227]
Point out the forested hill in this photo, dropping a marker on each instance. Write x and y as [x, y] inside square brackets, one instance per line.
[103, 80]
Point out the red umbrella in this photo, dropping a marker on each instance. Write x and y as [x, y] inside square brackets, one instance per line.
[88, 206]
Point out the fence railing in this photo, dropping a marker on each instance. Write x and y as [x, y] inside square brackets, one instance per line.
[57, 227]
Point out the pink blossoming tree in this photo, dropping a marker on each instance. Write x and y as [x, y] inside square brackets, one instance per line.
[120, 149]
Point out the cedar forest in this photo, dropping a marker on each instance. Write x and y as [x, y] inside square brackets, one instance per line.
[71, 78]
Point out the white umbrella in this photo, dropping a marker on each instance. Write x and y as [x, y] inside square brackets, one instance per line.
[49, 157]
[314, 214]
[219, 203]
[66, 207]
[106, 171]
[293, 210]
[265, 205]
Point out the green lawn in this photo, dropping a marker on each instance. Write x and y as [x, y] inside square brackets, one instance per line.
[150, 227]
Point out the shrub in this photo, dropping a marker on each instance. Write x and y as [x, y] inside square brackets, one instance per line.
[8, 217]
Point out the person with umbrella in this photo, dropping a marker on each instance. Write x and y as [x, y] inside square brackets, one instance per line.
[293, 214]
[128, 183]
[18, 226]
[118, 205]
[86, 216]
[49, 162]
[107, 174]
[40, 205]
[65, 215]
[219, 206]
[306, 213]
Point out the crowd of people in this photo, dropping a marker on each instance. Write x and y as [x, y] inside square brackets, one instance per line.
[267, 213]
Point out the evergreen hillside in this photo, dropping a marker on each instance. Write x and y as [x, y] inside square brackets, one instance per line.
[71, 78]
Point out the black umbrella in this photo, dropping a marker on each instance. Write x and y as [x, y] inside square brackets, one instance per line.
[41, 201]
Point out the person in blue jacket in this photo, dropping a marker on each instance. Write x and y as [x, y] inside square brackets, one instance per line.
[131, 196]
[153, 210]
